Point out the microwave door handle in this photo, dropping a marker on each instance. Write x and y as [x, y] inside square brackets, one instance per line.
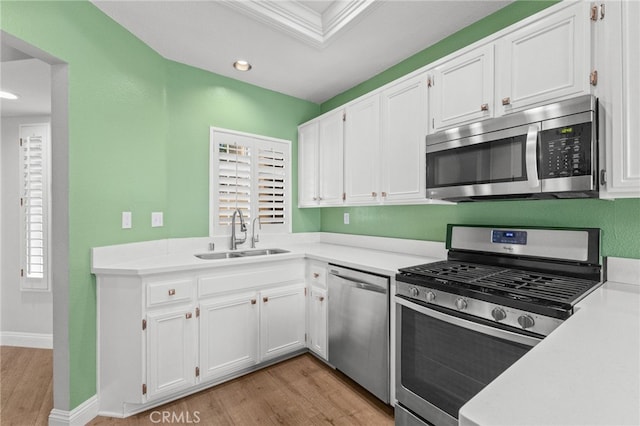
[531, 153]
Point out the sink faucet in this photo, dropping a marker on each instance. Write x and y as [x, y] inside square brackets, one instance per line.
[243, 228]
[255, 238]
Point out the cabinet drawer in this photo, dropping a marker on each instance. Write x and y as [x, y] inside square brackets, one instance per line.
[318, 275]
[164, 292]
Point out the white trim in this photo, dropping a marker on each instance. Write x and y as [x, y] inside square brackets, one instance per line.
[302, 22]
[80, 415]
[26, 340]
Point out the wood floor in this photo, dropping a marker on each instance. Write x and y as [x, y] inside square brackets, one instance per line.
[26, 386]
[300, 391]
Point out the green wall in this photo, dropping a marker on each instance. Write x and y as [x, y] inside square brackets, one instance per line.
[139, 142]
[619, 220]
[198, 99]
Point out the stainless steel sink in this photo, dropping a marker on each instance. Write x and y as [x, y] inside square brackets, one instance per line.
[238, 254]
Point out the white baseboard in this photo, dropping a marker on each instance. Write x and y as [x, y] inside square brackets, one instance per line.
[80, 415]
[26, 340]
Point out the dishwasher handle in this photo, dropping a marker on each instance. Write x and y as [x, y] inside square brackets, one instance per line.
[360, 284]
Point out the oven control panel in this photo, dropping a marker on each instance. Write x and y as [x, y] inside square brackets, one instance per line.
[516, 318]
[501, 236]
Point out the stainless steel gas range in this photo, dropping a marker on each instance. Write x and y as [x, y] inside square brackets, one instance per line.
[462, 322]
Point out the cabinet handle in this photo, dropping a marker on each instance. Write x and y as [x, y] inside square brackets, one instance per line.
[603, 177]
[253, 301]
[188, 315]
[172, 291]
[384, 194]
[316, 275]
[315, 198]
[506, 101]
[321, 298]
[374, 194]
[484, 107]
[265, 299]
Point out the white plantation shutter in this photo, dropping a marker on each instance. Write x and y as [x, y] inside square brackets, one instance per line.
[234, 181]
[272, 170]
[250, 173]
[34, 202]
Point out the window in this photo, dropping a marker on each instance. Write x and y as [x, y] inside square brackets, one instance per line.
[252, 174]
[34, 207]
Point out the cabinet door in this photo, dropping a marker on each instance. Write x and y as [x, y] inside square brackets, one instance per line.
[282, 321]
[330, 153]
[462, 89]
[171, 352]
[619, 97]
[228, 334]
[318, 321]
[308, 165]
[362, 151]
[544, 61]
[404, 127]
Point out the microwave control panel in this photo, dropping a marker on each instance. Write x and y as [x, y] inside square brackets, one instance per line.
[565, 151]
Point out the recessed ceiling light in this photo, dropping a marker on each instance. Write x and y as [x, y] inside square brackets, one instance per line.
[8, 95]
[242, 65]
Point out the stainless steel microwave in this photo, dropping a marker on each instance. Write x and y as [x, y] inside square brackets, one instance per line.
[545, 152]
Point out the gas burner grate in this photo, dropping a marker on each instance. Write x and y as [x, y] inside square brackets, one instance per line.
[515, 283]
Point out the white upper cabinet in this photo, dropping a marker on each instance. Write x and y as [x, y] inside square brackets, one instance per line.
[330, 147]
[362, 151]
[462, 89]
[544, 61]
[618, 63]
[404, 127]
[321, 161]
[308, 179]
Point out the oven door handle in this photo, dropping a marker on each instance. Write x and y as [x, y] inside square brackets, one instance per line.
[470, 325]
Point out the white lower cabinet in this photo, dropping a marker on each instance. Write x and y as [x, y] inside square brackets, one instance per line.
[165, 336]
[171, 351]
[228, 334]
[282, 321]
[318, 321]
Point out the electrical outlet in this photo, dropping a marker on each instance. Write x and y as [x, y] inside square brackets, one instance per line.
[346, 218]
[156, 219]
[126, 220]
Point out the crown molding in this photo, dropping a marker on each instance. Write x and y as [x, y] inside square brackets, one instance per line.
[302, 22]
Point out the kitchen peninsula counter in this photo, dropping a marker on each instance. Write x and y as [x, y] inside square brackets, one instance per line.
[587, 372]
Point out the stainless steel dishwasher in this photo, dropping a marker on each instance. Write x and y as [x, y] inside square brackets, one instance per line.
[359, 327]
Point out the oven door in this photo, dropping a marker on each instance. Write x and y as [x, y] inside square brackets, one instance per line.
[442, 360]
[496, 163]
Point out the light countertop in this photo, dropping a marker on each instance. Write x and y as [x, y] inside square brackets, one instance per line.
[371, 259]
[587, 372]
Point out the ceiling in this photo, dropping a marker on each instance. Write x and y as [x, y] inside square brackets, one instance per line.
[28, 78]
[311, 50]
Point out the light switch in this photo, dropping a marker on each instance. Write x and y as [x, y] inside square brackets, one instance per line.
[156, 219]
[126, 220]
[346, 218]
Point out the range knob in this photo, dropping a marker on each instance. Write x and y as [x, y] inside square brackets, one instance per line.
[498, 314]
[413, 292]
[526, 321]
[430, 296]
[461, 304]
